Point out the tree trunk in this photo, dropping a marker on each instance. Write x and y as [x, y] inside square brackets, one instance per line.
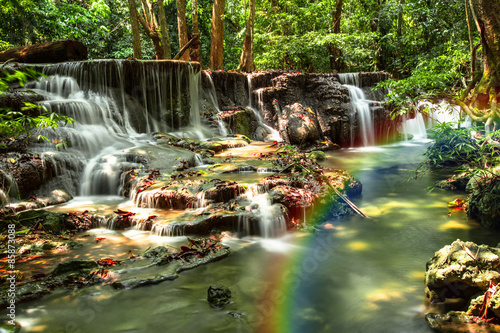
[336, 56]
[150, 25]
[51, 52]
[136, 35]
[246, 62]
[165, 38]
[182, 26]
[217, 35]
[195, 51]
[336, 16]
[486, 14]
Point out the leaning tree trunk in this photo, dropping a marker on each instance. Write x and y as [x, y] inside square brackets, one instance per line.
[246, 62]
[217, 35]
[486, 14]
[51, 52]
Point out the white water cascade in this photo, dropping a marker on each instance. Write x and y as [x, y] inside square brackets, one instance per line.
[115, 103]
[213, 96]
[361, 108]
[271, 221]
[413, 128]
[272, 134]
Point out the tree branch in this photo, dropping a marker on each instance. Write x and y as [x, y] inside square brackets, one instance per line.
[185, 47]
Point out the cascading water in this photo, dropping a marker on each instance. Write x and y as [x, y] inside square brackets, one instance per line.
[413, 127]
[213, 96]
[272, 134]
[361, 108]
[114, 103]
[271, 221]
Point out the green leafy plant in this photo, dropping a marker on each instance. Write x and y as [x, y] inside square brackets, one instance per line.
[452, 147]
[31, 119]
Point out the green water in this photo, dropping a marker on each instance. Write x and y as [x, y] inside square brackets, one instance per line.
[353, 275]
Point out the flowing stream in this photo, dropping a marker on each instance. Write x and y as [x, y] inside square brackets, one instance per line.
[352, 275]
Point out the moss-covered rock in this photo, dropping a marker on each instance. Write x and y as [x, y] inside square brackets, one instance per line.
[51, 222]
[317, 155]
[484, 202]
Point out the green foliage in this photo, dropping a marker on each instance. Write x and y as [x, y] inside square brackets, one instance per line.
[297, 163]
[430, 78]
[310, 51]
[16, 123]
[451, 146]
[458, 148]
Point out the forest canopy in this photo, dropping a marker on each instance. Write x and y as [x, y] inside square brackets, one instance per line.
[427, 43]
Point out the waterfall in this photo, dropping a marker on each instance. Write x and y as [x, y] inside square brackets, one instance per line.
[114, 102]
[272, 134]
[413, 126]
[213, 96]
[360, 106]
[271, 221]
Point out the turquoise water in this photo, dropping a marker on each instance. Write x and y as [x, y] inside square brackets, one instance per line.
[353, 275]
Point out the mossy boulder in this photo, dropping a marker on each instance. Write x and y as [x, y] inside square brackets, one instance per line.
[317, 155]
[484, 203]
[51, 222]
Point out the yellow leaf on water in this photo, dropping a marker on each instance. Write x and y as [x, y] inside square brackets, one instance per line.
[12, 161]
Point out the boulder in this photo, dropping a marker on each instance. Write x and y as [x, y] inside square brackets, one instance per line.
[300, 125]
[484, 202]
[51, 222]
[218, 295]
[467, 272]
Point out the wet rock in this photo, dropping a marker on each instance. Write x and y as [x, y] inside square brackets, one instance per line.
[16, 100]
[218, 295]
[461, 270]
[80, 268]
[51, 222]
[6, 327]
[224, 191]
[353, 187]
[300, 125]
[456, 182]
[464, 271]
[452, 322]
[241, 121]
[484, 202]
[317, 155]
[275, 91]
[156, 252]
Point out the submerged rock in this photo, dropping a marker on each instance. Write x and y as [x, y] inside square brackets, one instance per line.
[218, 295]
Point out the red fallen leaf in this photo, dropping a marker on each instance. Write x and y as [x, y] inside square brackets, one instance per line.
[185, 248]
[457, 204]
[72, 213]
[28, 258]
[492, 289]
[107, 262]
[123, 213]
[99, 239]
[130, 254]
